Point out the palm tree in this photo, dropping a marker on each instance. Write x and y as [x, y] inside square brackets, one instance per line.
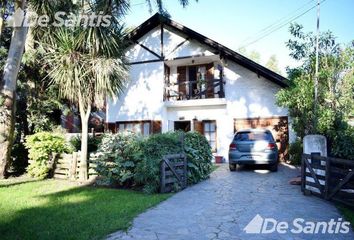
[102, 47]
[87, 65]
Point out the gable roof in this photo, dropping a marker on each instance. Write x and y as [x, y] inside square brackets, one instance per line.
[159, 19]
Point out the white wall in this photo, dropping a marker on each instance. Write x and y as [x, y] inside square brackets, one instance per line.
[247, 95]
[143, 97]
[189, 48]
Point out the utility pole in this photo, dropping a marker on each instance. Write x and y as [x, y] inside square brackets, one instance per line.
[317, 66]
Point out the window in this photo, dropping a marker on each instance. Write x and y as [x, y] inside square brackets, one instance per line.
[195, 82]
[254, 136]
[143, 127]
[210, 133]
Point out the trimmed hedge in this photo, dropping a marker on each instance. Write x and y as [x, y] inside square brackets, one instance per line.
[128, 160]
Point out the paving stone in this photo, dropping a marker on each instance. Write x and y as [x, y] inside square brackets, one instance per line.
[222, 206]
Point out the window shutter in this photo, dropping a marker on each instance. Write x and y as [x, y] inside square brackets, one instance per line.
[181, 79]
[156, 127]
[198, 127]
[210, 79]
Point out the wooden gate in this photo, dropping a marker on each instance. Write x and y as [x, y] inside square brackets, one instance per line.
[313, 171]
[68, 167]
[173, 173]
[329, 178]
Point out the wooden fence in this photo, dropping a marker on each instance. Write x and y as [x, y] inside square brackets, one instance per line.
[173, 173]
[329, 178]
[68, 167]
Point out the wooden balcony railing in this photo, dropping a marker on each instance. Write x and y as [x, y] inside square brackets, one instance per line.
[194, 90]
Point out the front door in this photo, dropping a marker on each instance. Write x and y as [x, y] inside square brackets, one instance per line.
[183, 126]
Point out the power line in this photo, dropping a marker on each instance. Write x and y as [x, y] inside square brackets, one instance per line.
[279, 27]
[137, 4]
[279, 21]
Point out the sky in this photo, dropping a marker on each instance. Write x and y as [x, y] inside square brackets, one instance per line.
[237, 23]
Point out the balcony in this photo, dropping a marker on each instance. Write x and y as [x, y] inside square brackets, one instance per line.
[192, 90]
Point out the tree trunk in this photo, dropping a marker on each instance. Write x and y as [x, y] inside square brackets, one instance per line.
[8, 93]
[2, 15]
[85, 115]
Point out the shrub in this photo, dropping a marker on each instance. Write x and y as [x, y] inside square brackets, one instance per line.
[152, 150]
[40, 147]
[19, 158]
[196, 147]
[199, 157]
[295, 152]
[129, 160]
[92, 145]
[341, 144]
[116, 159]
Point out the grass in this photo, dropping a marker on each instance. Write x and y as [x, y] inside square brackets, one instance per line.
[214, 167]
[54, 209]
[347, 213]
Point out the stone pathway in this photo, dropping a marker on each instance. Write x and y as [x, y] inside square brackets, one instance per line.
[221, 207]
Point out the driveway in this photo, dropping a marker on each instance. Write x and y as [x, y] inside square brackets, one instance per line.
[221, 207]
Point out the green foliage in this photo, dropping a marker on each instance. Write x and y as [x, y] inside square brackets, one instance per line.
[19, 158]
[335, 102]
[199, 157]
[40, 147]
[273, 64]
[196, 147]
[342, 142]
[93, 143]
[152, 150]
[116, 159]
[298, 98]
[132, 161]
[295, 152]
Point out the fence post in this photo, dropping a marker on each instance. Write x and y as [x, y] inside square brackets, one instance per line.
[73, 166]
[52, 163]
[327, 178]
[303, 176]
[185, 170]
[163, 176]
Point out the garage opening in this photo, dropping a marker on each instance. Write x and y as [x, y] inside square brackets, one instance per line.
[279, 127]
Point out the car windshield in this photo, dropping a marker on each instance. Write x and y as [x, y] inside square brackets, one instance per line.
[254, 136]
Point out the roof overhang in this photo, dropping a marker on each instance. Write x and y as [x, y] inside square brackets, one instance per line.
[219, 49]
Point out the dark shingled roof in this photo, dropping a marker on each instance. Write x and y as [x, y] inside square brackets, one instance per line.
[225, 52]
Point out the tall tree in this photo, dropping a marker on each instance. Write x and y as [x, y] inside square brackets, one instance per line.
[96, 38]
[8, 89]
[272, 64]
[3, 7]
[336, 90]
[255, 56]
[86, 75]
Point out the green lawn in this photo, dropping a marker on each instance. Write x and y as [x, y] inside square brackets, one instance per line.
[53, 209]
[347, 213]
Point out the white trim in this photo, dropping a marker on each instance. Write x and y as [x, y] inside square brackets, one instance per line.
[196, 103]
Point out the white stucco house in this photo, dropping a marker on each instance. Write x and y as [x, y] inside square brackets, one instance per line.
[180, 79]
